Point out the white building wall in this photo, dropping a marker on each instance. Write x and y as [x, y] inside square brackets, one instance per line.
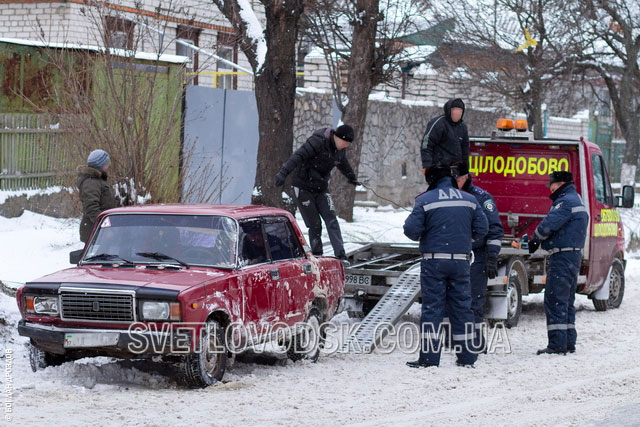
[75, 22]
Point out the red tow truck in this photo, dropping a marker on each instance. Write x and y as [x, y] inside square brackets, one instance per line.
[190, 285]
[514, 167]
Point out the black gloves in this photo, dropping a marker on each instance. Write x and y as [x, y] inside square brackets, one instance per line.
[534, 244]
[491, 269]
[280, 177]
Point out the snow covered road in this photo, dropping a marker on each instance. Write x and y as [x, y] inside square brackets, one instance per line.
[598, 385]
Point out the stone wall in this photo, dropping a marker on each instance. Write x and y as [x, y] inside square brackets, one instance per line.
[312, 111]
[390, 161]
[63, 204]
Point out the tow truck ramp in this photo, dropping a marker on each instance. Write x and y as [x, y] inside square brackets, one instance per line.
[387, 311]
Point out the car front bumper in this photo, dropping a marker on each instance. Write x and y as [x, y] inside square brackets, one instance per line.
[124, 342]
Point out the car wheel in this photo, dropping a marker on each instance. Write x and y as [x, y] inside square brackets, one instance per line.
[616, 289]
[207, 365]
[308, 343]
[40, 359]
[514, 302]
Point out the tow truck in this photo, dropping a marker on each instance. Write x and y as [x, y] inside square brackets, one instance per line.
[514, 167]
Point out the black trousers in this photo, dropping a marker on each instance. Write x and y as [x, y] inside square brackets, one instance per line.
[314, 206]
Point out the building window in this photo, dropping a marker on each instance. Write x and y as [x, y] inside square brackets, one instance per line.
[228, 49]
[118, 32]
[190, 35]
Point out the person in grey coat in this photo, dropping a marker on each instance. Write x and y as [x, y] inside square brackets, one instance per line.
[96, 195]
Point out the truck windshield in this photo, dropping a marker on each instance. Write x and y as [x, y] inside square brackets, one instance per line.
[191, 239]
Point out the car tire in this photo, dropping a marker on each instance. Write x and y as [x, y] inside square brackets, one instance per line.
[40, 359]
[514, 302]
[207, 365]
[308, 344]
[616, 289]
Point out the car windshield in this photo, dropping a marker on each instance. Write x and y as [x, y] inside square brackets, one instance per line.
[168, 239]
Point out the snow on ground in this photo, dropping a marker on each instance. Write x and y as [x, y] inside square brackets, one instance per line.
[598, 385]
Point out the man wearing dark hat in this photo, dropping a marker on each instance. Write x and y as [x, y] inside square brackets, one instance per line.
[311, 165]
[562, 232]
[96, 195]
[485, 252]
[446, 139]
[445, 220]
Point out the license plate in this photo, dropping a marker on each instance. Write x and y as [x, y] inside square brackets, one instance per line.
[357, 279]
[90, 339]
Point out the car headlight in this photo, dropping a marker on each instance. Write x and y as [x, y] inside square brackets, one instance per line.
[157, 310]
[46, 305]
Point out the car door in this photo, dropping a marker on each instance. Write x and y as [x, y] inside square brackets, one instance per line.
[258, 287]
[604, 224]
[289, 270]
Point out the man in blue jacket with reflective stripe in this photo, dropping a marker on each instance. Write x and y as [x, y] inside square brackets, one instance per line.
[445, 220]
[485, 253]
[562, 232]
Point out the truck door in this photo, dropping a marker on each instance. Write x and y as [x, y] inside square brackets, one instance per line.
[288, 259]
[604, 225]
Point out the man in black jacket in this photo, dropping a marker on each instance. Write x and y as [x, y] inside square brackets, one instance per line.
[311, 165]
[446, 139]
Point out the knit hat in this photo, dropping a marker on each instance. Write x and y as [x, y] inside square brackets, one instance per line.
[98, 159]
[345, 132]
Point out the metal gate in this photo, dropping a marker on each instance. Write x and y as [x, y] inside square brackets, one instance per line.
[221, 145]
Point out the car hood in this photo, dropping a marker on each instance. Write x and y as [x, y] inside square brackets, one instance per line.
[139, 276]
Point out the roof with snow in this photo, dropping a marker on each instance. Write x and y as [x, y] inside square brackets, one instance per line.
[146, 56]
[431, 36]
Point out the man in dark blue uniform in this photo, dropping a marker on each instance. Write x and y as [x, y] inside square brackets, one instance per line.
[562, 232]
[485, 253]
[445, 220]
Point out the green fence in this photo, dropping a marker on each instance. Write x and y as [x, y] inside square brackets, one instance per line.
[31, 153]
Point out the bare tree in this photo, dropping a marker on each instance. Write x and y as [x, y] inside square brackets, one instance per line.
[361, 40]
[129, 105]
[514, 50]
[272, 55]
[609, 33]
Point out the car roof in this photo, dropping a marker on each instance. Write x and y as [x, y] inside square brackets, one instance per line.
[233, 211]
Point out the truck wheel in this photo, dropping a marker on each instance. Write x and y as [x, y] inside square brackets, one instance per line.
[514, 302]
[40, 359]
[308, 344]
[207, 365]
[616, 289]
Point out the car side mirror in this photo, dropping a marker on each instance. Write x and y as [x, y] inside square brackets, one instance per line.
[628, 197]
[75, 256]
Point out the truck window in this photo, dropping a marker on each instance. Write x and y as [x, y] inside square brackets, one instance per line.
[278, 240]
[601, 181]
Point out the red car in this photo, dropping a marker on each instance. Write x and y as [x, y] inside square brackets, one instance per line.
[192, 283]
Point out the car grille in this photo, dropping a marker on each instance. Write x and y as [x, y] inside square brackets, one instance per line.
[96, 306]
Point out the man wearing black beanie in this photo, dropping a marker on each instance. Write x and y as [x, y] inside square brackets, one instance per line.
[311, 165]
[446, 139]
